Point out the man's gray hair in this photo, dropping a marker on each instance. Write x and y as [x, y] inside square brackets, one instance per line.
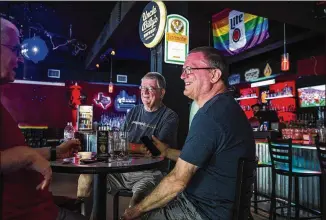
[6, 28]
[215, 59]
[159, 79]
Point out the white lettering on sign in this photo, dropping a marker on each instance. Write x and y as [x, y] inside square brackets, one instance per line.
[149, 19]
[236, 20]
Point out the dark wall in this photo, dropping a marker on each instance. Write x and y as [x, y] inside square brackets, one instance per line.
[174, 97]
[301, 50]
[74, 70]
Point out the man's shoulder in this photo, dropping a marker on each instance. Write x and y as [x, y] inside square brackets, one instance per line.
[169, 113]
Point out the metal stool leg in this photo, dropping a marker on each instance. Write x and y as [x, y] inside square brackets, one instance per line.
[289, 198]
[297, 199]
[272, 210]
[322, 197]
[255, 195]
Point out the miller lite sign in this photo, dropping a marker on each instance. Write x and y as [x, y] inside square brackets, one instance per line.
[235, 31]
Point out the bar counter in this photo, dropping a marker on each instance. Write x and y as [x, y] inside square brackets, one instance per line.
[304, 156]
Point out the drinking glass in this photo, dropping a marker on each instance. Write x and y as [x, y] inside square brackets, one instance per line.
[120, 145]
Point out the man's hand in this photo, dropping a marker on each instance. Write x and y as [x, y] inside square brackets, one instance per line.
[162, 147]
[42, 166]
[68, 148]
[131, 213]
[144, 150]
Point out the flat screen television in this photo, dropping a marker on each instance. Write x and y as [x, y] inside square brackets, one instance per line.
[312, 96]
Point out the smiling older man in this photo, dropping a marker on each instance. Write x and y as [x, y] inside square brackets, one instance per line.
[150, 118]
[203, 181]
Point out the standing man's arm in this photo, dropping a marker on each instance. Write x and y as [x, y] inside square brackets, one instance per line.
[16, 158]
[22, 157]
[64, 150]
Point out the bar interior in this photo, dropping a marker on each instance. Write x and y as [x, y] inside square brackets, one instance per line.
[88, 79]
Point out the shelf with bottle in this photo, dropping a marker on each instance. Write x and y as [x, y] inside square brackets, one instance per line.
[281, 90]
[280, 97]
[249, 97]
[248, 93]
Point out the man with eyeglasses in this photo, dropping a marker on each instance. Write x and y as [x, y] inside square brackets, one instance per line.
[150, 118]
[202, 184]
[25, 172]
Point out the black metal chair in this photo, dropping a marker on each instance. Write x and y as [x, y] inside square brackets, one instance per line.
[244, 187]
[321, 151]
[281, 157]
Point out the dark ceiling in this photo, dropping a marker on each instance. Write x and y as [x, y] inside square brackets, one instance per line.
[87, 19]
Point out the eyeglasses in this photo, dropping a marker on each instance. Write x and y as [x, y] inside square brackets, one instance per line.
[188, 70]
[15, 49]
[148, 88]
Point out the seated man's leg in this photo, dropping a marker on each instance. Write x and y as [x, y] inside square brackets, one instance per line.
[65, 214]
[118, 181]
[178, 209]
[144, 186]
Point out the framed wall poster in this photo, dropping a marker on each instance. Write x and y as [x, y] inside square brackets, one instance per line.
[176, 39]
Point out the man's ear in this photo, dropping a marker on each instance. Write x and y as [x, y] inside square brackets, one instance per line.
[216, 75]
[162, 93]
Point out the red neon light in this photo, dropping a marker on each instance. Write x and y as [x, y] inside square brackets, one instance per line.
[285, 62]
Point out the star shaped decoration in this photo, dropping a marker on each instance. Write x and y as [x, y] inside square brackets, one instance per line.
[102, 100]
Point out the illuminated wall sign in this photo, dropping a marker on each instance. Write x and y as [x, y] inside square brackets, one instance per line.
[263, 83]
[251, 74]
[235, 31]
[152, 23]
[234, 79]
[176, 39]
[102, 100]
[267, 70]
[123, 102]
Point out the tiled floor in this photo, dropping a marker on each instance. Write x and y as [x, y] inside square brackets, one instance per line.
[66, 185]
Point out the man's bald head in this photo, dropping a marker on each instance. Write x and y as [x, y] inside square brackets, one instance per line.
[7, 28]
[10, 51]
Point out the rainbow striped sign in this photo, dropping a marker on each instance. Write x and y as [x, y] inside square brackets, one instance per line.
[235, 31]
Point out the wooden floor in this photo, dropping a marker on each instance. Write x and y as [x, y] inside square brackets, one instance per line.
[66, 185]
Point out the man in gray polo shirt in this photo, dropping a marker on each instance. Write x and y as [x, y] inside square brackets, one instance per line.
[150, 118]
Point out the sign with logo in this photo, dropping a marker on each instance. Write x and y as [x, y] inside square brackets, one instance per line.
[234, 79]
[152, 23]
[251, 74]
[235, 31]
[124, 102]
[103, 101]
[267, 70]
[176, 39]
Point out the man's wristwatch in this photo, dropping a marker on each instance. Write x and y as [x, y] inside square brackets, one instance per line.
[53, 154]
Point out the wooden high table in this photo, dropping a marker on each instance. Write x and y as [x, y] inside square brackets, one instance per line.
[101, 169]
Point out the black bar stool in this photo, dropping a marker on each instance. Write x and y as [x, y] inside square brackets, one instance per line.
[245, 179]
[281, 157]
[321, 151]
[255, 200]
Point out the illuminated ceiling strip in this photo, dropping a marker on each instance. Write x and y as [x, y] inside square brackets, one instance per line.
[263, 83]
[39, 83]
